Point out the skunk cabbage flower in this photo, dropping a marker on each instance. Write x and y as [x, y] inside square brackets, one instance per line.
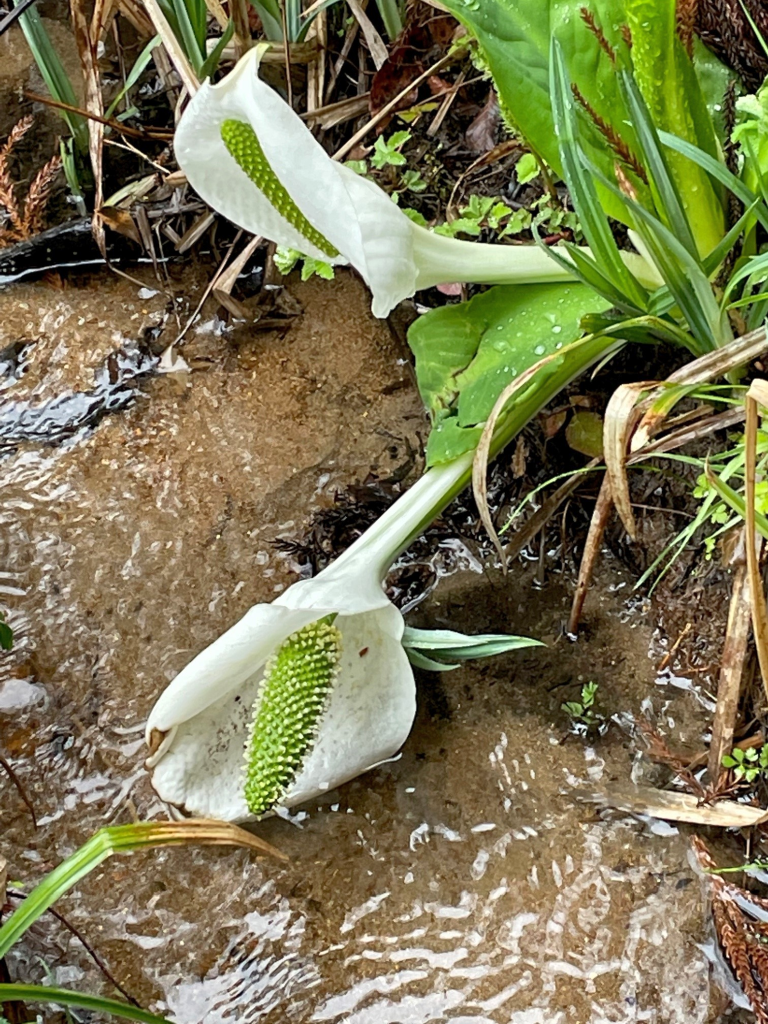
[249, 156]
[297, 697]
[311, 690]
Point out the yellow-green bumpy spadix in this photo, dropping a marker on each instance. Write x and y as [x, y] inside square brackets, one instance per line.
[294, 693]
[243, 144]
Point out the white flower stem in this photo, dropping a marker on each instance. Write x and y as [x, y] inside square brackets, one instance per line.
[442, 260]
[411, 514]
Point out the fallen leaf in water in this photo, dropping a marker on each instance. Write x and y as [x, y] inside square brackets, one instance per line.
[672, 806]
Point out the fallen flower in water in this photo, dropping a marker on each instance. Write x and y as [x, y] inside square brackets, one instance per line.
[252, 158]
[311, 690]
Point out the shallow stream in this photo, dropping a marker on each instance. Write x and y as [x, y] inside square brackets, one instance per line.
[466, 881]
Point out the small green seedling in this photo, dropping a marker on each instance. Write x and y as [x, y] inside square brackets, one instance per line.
[526, 168]
[286, 259]
[582, 712]
[747, 764]
[386, 152]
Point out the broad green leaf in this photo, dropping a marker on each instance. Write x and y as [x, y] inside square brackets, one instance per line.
[515, 36]
[522, 325]
[466, 354]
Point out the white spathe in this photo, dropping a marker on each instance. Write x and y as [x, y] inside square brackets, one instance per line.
[204, 714]
[395, 256]
[198, 729]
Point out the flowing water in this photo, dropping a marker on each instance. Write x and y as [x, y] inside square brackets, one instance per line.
[465, 881]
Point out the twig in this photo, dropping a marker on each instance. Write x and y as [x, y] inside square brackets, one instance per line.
[242, 34]
[86, 945]
[86, 48]
[20, 787]
[389, 107]
[731, 672]
[159, 134]
[758, 392]
[599, 521]
[542, 515]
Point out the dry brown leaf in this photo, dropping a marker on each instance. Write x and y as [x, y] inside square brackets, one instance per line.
[621, 417]
[731, 672]
[671, 806]
[758, 393]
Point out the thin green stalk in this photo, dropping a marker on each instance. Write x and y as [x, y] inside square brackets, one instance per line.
[394, 531]
[390, 15]
[65, 997]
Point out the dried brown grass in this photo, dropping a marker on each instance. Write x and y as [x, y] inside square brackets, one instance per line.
[24, 217]
[742, 938]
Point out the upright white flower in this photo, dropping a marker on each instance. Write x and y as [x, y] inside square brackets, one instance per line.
[249, 156]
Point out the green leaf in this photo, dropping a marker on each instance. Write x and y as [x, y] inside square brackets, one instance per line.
[65, 997]
[526, 168]
[672, 94]
[133, 75]
[584, 433]
[515, 36]
[54, 75]
[591, 214]
[320, 267]
[467, 353]
[458, 646]
[387, 151]
[211, 62]
[271, 19]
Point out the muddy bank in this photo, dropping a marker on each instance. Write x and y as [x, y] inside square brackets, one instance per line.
[464, 881]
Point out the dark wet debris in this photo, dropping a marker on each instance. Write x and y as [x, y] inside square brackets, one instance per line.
[117, 382]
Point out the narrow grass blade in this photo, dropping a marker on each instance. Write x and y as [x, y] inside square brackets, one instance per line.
[666, 197]
[133, 75]
[718, 171]
[735, 501]
[212, 60]
[54, 75]
[65, 997]
[594, 223]
[121, 839]
[271, 19]
[390, 15]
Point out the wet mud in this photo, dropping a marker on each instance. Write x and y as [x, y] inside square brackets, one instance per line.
[467, 880]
